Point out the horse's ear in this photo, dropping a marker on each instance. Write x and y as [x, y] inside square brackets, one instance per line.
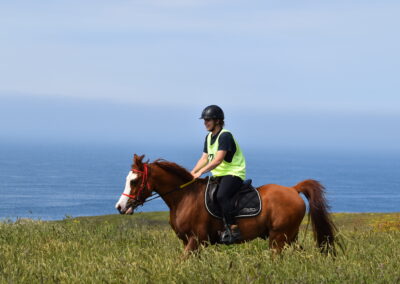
[138, 162]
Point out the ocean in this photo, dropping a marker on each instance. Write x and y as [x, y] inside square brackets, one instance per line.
[51, 182]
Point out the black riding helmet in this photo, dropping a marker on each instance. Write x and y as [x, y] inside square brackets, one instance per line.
[212, 112]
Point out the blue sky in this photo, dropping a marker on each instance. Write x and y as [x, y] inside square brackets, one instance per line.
[283, 68]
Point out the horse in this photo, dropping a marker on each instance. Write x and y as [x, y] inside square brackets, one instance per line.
[279, 220]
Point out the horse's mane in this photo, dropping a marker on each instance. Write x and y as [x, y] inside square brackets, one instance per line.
[174, 169]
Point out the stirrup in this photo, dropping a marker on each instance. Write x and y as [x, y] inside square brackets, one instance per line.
[226, 236]
[230, 236]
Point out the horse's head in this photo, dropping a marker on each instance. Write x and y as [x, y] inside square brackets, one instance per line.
[137, 187]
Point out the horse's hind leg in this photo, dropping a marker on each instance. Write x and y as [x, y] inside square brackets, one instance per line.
[295, 242]
[277, 241]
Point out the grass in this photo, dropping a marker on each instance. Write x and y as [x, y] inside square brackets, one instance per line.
[143, 249]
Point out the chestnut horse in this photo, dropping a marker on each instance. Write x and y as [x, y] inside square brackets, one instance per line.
[282, 211]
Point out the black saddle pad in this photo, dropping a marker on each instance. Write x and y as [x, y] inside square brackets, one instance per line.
[247, 200]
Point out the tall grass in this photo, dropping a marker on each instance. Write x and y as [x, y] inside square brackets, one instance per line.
[143, 248]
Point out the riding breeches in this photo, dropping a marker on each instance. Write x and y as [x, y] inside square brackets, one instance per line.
[228, 187]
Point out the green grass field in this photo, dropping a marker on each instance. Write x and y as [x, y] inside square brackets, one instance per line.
[143, 249]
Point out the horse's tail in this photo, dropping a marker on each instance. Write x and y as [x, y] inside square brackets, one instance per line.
[323, 227]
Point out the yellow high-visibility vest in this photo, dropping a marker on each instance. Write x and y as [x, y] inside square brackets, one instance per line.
[237, 167]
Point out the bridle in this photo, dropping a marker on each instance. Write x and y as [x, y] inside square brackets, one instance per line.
[145, 176]
[145, 182]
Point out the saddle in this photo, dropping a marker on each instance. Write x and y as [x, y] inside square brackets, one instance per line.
[247, 201]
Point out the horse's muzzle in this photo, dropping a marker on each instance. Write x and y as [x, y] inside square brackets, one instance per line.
[127, 211]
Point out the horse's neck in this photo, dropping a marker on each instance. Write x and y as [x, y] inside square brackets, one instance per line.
[164, 183]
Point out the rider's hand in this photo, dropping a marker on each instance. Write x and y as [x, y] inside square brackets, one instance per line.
[196, 175]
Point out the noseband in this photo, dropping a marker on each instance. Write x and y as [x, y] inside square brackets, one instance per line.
[145, 182]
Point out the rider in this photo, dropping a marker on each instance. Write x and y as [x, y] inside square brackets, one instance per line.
[224, 158]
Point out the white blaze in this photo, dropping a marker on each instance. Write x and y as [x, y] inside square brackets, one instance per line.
[124, 199]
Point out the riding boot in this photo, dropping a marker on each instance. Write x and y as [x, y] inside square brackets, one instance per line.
[231, 234]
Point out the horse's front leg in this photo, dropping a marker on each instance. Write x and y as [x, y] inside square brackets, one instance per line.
[191, 245]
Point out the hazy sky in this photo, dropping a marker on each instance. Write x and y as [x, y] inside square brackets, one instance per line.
[281, 69]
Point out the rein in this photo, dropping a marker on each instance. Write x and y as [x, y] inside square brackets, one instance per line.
[156, 195]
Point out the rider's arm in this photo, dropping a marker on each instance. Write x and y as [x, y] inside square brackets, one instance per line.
[219, 157]
[201, 163]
